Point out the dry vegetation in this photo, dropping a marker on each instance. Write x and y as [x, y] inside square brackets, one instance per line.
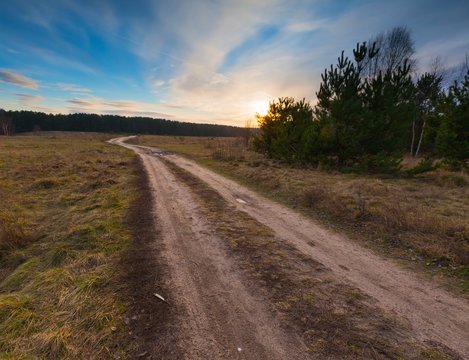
[423, 220]
[335, 320]
[62, 235]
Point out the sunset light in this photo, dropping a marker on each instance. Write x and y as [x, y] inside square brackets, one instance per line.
[204, 62]
[234, 179]
[260, 107]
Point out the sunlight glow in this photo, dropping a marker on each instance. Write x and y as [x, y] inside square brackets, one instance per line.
[260, 107]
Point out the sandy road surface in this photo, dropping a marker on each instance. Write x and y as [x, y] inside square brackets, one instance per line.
[433, 313]
[220, 318]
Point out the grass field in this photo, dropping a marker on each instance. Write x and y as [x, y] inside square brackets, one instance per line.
[71, 272]
[64, 200]
[335, 320]
[423, 220]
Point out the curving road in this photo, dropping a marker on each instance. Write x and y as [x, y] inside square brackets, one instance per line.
[232, 326]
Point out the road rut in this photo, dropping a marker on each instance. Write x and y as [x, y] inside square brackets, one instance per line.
[221, 318]
[433, 313]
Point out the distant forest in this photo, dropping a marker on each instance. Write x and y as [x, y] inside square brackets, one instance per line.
[26, 121]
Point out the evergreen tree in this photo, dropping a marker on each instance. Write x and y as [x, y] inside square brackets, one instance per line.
[340, 109]
[428, 94]
[26, 121]
[452, 139]
[283, 129]
[363, 119]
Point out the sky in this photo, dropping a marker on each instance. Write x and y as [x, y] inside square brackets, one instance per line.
[205, 61]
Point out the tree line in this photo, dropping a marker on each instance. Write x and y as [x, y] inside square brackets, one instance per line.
[371, 109]
[30, 121]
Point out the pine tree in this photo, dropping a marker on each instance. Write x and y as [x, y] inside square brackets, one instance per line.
[427, 95]
[283, 129]
[452, 140]
[363, 119]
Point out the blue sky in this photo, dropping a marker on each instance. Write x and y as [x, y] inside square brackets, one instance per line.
[208, 61]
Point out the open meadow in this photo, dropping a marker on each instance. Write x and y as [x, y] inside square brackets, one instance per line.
[421, 221]
[64, 200]
[124, 251]
[234, 180]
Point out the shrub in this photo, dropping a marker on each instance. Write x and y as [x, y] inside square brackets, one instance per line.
[376, 164]
[454, 180]
[423, 166]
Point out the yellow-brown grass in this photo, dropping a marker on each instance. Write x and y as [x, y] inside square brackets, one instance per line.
[12, 233]
[422, 219]
[334, 319]
[63, 202]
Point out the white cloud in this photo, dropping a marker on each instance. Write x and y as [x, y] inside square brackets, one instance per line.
[159, 83]
[203, 35]
[289, 63]
[217, 61]
[304, 26]
[218, 79]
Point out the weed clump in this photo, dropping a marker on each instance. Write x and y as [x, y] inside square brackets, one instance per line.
[454, 180]
[44, 184]
[12, 232]
[228, 150]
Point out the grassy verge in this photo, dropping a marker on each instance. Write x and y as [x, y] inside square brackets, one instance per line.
[150, 323]
[335, 320]
[64, 200]
[423, 220]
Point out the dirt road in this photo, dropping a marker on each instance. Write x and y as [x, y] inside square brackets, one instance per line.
[228, 321]
[221, 319]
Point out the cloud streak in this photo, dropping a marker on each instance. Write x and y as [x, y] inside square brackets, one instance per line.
[73, 88]
[14, 78]
[204, 61]
[278, 50]
[123, 107]
[29, 100]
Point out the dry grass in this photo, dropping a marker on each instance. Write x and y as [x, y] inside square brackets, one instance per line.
[12, 233]
[424, 220]
[63, 202]
[335, 320]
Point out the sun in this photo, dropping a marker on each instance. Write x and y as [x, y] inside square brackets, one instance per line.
[260, 107]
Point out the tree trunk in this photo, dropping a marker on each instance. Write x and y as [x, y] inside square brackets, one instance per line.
[420, 140]
[6, 126]
[3, 126]
[413, 139]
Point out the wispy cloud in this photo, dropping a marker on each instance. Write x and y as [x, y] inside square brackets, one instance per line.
[86, 104]
[29, 100]
[205, 61]
[198, 80]
[159, 83]
[72, 88]
[12, 77]
[62, 61]
[227, 66]
[122, 107]
[304, 26]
